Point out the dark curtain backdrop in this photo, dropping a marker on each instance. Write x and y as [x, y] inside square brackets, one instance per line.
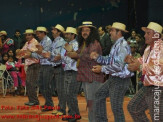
[22, 14]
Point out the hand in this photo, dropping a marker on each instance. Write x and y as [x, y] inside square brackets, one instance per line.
[68, 47]
[27, 54]
[129, 59]
[134, 66]
[57, 58]
[94, 55]
[97, 69]
[46, 54]
[40, 49]
[18, 52]
[72, 55]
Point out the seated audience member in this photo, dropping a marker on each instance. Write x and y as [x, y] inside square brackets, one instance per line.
[140, 44]
[13, 69]
[132, 39]
[6, 42]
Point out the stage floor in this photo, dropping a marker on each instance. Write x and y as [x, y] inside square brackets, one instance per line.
[13, 109]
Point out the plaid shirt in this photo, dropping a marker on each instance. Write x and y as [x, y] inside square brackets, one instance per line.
[86, 64]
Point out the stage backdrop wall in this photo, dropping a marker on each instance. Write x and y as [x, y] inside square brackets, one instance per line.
[22, 14]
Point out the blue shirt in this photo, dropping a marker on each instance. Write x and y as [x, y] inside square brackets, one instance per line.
[55, 49]
[69, 63]
[114, 63]
[46, 43]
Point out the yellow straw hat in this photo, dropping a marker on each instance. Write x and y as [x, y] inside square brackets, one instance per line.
[119, 26]
[43, 29]
[59, 27]
[3, 33]
[86, 24]
[71, 30]
[29, 31]
[153, 26]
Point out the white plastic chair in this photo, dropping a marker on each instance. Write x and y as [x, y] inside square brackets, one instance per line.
[4, 80]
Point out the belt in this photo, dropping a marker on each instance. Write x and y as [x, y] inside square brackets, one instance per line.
[57, 66]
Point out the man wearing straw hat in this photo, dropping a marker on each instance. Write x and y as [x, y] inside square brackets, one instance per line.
[55, 57]
[71, 84]
[88, 39]
[33, 67]
[119, 76]
[46, 70]
[150, 96]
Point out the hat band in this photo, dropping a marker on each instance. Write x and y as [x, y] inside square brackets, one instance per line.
[86, 24]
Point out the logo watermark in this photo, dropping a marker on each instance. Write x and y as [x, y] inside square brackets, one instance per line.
[157, 71]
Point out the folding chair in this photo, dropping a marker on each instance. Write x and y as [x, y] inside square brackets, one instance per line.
[5, 80]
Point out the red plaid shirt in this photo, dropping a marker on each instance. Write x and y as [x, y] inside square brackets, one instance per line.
[86, 64]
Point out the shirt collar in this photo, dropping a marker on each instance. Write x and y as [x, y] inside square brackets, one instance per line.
[56, 39]
[31, 41]
[72, 41]
[102, 35]
[119, 40]
[45, 37]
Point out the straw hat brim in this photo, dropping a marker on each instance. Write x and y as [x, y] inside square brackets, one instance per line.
[86, 26]
[58, 29]
[2, 34]
[118, 29]
[29, 33]
[71, 32]
[40, 31]
[145, 28]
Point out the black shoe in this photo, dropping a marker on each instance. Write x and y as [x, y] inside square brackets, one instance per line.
[46, 109]
[27, 103]
[32, 104]
[43, 106]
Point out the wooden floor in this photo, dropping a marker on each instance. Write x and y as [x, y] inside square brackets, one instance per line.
[14, 109]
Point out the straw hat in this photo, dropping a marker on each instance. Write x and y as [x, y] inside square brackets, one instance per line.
[3, 33]
[29, 31]
[59, 27]
[71, 30]
[119, 26]
[43, 29]
[86, 24]
[153, 26]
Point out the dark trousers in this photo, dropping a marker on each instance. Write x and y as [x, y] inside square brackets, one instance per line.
[59, 79]
[71, 91]
[32, 75]
[148, 97]
[116, 88]
[45, 81]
